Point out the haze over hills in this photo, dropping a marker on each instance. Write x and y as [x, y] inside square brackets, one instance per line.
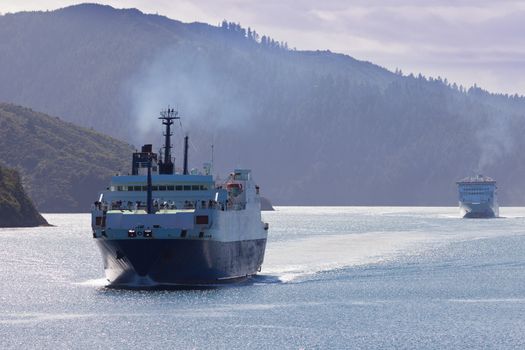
[317, 128]
[63, 166]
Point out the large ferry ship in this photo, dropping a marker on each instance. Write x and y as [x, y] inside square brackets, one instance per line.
[478, 197]
[156, 227]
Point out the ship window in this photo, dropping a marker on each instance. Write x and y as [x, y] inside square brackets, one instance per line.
[204, 188]
[178, 188]
[144, 188]
[162, 188]
[187, 188]
[130, 188]
[170, 188]
[137, 188]
[195, 187]
[154, 188]
[119, 188]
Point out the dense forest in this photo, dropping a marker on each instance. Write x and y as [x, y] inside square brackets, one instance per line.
[63, 166]
[316, 127]
[16, 209]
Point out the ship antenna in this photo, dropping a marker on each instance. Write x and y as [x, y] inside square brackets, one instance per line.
[167, 117]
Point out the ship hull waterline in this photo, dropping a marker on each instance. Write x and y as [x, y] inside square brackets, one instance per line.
[158, 263]
[478, 210]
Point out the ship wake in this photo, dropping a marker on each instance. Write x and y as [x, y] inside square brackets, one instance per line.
[293, 260]
[300, 260]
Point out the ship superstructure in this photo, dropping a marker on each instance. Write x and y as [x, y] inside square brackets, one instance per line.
[478, 197]
[156, 227]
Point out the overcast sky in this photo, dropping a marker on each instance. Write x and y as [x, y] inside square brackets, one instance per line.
[469, 41]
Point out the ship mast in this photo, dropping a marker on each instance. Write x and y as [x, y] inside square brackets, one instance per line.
[167, 117]
[185, 169]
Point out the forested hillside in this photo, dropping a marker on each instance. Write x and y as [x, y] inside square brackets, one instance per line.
[16, 209]
[63, 166]
[315, 127]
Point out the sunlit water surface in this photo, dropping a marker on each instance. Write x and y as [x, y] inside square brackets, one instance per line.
[333, 278]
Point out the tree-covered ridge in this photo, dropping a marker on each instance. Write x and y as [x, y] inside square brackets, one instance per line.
[236, 30]
[315, 127]
[16, 209]
[63, 166]
[82, 62]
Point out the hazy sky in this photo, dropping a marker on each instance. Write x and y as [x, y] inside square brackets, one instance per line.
[469, 41]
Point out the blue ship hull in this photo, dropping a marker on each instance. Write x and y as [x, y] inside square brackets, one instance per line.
[478, 210]
[145, 263]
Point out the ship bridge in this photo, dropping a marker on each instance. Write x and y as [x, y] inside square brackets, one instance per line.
[173, 191]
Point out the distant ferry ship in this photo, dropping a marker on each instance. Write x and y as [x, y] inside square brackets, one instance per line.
[156, 227]
[478, 197]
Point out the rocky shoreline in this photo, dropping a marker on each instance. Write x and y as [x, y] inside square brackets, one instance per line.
[16, 209]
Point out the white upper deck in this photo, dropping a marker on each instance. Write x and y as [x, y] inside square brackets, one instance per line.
[477, 179]
[131, 180]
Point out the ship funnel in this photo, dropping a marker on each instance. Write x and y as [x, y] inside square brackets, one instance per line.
[149, 195]
[185, 171]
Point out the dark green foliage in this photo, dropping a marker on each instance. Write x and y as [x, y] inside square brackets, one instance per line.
[63, 165]
[16, 209]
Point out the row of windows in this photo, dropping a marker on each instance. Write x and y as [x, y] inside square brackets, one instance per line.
[161, 188]
[476, 192]
[471, 188]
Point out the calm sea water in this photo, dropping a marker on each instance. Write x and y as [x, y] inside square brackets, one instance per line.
[333, 278]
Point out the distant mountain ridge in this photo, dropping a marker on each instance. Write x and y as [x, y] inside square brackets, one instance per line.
[63, 166]
[317, 128]
[88, 53]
